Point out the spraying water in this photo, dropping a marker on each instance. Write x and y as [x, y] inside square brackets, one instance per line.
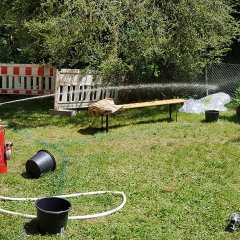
[27, 99]
[162, 86]
[151, 86]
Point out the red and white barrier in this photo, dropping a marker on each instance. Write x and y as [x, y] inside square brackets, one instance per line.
[27, 79]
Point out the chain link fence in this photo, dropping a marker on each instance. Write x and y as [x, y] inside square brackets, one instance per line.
[217, 77]
[224, 76]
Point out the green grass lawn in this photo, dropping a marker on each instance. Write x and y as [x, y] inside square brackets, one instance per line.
[181, 178]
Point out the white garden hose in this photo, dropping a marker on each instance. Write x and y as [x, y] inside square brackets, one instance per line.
[124, 199]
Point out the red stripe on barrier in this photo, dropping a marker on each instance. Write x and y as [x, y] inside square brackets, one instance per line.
[16, 71]
[51, 71]
[4, 70]
[40, 92]
[28, 91]
[40, 71]
[28, 71]
[16, 91]
[4, 91]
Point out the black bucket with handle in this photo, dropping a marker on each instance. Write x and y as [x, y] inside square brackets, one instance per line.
[43, 161]
[52, 214]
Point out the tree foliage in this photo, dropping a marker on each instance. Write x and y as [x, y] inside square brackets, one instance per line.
[201, 32]
[16, 43]
[124, 40]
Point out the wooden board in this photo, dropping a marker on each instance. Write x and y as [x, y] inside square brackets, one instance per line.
[152, 103]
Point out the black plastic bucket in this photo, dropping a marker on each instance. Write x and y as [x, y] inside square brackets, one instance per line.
[211, 115]
[40, 163]
[52, 214]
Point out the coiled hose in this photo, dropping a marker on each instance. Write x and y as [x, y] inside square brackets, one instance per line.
[124, 199]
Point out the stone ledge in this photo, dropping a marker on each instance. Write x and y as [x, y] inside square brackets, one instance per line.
[63, 112]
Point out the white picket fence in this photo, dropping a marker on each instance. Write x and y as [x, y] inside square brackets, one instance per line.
[27, 79]
[73, 90]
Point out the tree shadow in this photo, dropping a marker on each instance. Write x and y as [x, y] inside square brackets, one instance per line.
[232, 118]
[235, 140]
[35, 113]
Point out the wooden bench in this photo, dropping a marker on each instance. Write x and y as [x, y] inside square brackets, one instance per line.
[169, 102]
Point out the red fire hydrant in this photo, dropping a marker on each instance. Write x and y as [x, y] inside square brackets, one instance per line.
[5, 151]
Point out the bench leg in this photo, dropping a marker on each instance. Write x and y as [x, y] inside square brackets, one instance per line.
[106, 122]
[102, 121]
[170, 111]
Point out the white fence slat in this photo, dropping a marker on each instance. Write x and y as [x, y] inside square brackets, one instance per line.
[4, 82]
[70, 94]
[40, 84]
[47, 80]
[22, 83]
[81, 93]
[64, 93]
[87, 94]
[16, 82]
[108, 94]
[34, 82]
[77, 93]
[98, 94]
[28, 85]
[10, 82]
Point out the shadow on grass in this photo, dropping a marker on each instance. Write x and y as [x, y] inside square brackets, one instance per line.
[35, 113]
[91, 130]
[113, 125]
[31, 227]
[225, 118]
[232, 118]
[148, 121]
[27, 175]
[235, 140]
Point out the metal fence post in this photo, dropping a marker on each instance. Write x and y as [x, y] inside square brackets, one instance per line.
[206, 79]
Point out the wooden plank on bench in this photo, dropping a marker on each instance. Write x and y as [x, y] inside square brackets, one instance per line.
[152, 103]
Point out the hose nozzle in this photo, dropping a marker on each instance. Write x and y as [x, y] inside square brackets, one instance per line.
[234, 219]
